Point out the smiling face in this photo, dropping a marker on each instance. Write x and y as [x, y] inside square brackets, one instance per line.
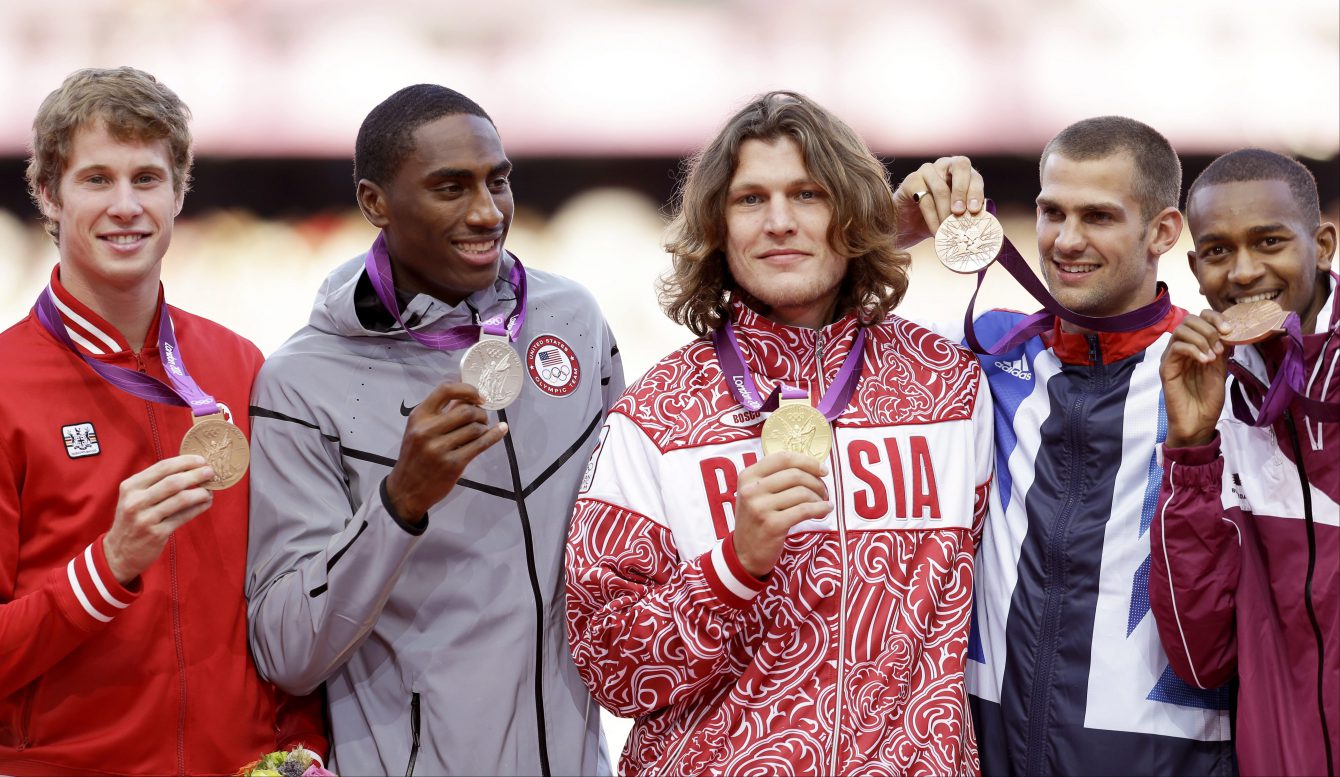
[114, 210]
[1253, 241]
[1098, 255]
[777, 246]
[446, 210]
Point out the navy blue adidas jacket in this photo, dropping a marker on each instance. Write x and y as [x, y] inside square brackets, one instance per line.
[1066, 672]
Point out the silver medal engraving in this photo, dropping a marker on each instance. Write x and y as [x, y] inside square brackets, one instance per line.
[966, 244]
[492, 366]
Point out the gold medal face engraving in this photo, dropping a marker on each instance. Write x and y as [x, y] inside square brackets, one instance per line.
[222, 445]
[492, 366]
[1253, 322]
[966, 244]
[795, 426]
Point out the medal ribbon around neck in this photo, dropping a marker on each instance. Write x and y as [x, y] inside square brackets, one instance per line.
[1286, 388]
[1044, 320]
[742, 386]
[183, 392]
[378, 266]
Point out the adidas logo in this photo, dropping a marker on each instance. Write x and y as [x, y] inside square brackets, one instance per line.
[1018, 368]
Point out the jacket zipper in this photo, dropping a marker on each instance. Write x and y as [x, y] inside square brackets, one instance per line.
[536, 593]
[1044, 662]
[414, 733]
[840, 519]
[174, 591]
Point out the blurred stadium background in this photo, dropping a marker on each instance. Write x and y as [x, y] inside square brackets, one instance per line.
[598, 101]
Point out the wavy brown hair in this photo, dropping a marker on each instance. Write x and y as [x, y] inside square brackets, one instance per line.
[697, 289]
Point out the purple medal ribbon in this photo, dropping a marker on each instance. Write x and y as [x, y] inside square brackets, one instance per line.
[183, 392]
[378, 266]
[742, 386]
[1044, 320]
[1286, 388]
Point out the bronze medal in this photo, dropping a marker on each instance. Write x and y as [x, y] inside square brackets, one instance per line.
[223, 447]
[1253, 322]
[795, 426]
[967, 244]
[492, 366]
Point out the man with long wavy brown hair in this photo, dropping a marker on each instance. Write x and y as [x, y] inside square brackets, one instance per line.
[790, 597]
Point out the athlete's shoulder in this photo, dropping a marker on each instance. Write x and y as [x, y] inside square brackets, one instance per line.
[922, 344]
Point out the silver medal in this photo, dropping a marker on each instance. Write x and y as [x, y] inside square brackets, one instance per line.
[966, 244]
[492, 366]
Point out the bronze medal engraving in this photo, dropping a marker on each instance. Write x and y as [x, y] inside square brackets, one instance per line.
[1253, 322]
[966, 244]
[795, 426]
[222, 445]
[492, 366]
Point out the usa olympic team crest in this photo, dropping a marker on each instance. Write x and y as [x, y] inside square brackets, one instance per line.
[553, 366]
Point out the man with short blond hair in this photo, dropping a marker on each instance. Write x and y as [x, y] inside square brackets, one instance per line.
[122, 618]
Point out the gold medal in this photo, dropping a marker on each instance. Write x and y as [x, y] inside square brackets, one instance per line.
[966, 244]
[795, 426]
[1253, 322]
[223, 447]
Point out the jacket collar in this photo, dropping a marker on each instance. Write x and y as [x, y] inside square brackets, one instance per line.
[1074, 347]
[91, 332]
[791, 353]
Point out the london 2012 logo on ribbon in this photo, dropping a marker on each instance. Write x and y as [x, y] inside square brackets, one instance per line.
[553, 366]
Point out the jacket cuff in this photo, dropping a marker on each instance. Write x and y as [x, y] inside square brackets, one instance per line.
[94, 595]
[1194, 456]
[414, 529]
[727, 577]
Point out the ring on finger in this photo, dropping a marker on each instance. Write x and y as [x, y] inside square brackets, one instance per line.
[916, 196]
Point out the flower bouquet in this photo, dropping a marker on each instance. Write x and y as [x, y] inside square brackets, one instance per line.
[298, 762]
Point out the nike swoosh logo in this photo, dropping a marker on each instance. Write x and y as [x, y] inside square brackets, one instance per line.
[405, 411]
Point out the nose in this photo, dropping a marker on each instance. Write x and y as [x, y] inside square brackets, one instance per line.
[1069, 238]
[780, 220]
[1244, 270]
[125, 202]
[484, 212]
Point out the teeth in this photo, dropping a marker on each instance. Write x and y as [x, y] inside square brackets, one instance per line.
[1077, 269]
[123, 239]
[1258, 297]
[476, 248]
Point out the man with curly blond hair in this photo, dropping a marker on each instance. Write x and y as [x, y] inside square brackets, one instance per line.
[767, 586]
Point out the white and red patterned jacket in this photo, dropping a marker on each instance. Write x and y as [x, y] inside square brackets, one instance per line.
[849, 657]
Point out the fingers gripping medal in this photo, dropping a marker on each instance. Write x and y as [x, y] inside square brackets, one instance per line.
[795, 426]
[492, 366]
[223, 447]
[967, 244]
[1253, 322]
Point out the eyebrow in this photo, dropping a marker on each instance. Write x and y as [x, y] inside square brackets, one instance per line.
[1043, 202]
[1262, 229]
[788, 185]
[501, 168]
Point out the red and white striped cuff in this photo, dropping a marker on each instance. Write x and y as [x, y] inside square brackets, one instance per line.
[98, 592]
[727, 577]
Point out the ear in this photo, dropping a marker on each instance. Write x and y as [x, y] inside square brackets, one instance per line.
[372, 201]
[181, 202]
[49, 203]
[1325, 237]
[1164, 230]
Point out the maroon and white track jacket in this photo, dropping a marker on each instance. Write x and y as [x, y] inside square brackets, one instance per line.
[848, 658]
[1231, 548]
